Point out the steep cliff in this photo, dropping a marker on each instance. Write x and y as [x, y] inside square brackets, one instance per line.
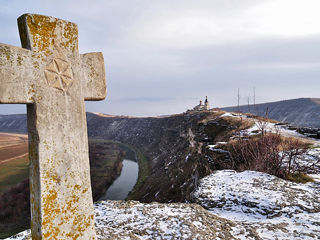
[173, 147]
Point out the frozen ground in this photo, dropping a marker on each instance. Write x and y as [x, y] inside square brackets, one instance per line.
[268, 127]
[118, 220]
[274, 208]
[246, 205]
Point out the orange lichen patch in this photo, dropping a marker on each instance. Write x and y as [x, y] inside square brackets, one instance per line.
[19, 60]
[50, 211]
[53, 177]
[44, 30]
[80, 225]
[5, 50]
[52, 233]
[93, 72]
[49, 203]
[70, 34]
[36, 58]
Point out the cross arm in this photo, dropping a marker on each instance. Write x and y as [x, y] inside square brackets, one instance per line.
[16, 71]
[94, 83]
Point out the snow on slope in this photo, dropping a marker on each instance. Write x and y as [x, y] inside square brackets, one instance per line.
[273, 207]
[246, 205]
[118, 220]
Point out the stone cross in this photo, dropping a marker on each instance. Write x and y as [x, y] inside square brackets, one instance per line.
[50, 76]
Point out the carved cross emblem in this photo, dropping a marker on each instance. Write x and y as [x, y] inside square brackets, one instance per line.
[59, 72]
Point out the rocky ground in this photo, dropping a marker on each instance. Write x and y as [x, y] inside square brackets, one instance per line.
[274, 208]
[229, 205]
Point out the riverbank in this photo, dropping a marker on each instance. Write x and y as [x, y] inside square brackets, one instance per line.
[144, 172]
[105, 166]
[103, 176]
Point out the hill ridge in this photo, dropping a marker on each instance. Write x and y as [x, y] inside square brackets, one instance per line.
[303, 112]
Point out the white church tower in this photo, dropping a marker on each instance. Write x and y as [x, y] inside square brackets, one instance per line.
[206, 104]
[201, 106]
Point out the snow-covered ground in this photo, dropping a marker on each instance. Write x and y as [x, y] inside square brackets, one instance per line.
[268, 127]
[246, 205]
[274, 208]
[118, 220]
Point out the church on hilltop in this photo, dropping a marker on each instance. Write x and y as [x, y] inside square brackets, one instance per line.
[201, 106]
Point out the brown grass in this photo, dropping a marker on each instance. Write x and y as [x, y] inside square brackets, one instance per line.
[270, 153]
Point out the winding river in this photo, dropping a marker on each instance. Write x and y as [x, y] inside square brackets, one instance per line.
[121, 187]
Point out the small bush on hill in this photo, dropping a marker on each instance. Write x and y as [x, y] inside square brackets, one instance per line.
[270, 153]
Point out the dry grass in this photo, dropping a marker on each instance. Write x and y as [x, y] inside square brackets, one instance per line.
[299, 178]
[13, 172]
[270, 153]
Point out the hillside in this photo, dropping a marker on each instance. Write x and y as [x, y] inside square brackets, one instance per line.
[13, 123]
[171, 148]
[304, 112]
[176, 155]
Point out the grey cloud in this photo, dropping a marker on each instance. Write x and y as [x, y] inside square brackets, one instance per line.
[150, 79]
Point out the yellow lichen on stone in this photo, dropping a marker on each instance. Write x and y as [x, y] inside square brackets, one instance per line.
[70, 34]
[44, 30]
[93, 72]
[19, 60]
[8, 55]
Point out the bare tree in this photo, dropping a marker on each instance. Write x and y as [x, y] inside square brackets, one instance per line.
[262, 124]
[238, 98]
[254, 99]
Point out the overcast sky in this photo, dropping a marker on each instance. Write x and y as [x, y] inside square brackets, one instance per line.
[163, 56]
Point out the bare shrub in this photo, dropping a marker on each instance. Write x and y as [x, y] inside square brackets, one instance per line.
[269, 152]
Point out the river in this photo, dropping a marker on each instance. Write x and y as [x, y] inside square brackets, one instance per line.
[121, 187]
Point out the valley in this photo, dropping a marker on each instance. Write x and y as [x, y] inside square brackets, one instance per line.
[106, 164]
[175, 153]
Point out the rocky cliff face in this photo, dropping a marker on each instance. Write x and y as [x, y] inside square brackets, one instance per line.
[171, 153]
[303, 112]
[174, 146]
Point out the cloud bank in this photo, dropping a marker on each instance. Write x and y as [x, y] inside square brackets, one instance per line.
[163, 56]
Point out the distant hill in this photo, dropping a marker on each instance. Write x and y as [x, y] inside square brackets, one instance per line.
[304, 112]
[13, 123]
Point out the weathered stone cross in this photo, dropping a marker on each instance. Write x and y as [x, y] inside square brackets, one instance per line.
[53, 80]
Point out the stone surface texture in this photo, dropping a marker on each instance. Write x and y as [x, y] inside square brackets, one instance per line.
[53, 79]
